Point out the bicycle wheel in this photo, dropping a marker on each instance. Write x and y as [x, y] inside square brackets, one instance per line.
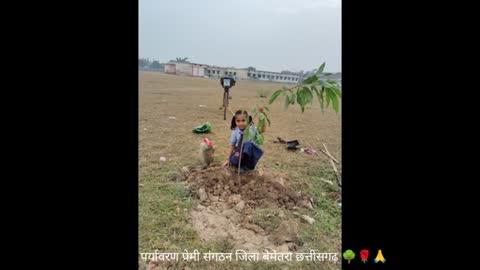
[225, 104]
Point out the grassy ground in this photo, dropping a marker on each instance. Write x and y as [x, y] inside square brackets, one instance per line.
[164, 204]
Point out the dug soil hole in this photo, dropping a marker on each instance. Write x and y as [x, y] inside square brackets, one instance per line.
[250, 211]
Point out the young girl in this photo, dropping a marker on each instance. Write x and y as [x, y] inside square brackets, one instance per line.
[251, 153]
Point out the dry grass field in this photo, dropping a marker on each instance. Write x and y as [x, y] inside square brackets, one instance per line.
[169, 109]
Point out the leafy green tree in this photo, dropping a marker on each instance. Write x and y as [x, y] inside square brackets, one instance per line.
[156, 65]
[327, 92]
[182, 60]
[143, 62]
[349, 255]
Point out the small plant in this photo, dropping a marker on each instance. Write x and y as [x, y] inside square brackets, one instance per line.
[263, 120]
[327, 91]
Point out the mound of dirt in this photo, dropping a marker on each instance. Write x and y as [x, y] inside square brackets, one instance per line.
[227, 203]
[254, 188]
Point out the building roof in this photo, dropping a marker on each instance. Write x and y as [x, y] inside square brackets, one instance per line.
[276, 73]
[218, 67]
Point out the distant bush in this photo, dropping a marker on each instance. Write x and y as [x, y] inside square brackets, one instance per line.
[144, 62]
[156, 65]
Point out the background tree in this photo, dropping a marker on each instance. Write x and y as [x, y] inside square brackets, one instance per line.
[155, 65]
[181, 60]
[144, 62]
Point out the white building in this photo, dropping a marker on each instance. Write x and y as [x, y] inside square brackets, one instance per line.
[201, 70]
[272, 76]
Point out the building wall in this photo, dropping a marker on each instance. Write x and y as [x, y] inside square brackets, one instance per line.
[229, 72]
[215, 72]
[272, 76]
[170, 68]
[242, 74]
[198, 70]
[185, 69]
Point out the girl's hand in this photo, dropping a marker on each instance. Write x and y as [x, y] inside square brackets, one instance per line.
[226, 163]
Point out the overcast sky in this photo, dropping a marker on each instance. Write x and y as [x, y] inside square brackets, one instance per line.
[271, 35]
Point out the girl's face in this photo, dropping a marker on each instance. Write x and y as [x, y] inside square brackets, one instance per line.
[241, 121]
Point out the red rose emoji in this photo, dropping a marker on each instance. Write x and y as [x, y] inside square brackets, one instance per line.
[364, 255]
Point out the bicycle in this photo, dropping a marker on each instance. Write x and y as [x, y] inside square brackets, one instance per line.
[227, 83]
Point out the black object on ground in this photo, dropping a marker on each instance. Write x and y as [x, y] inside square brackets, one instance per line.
[293, 144]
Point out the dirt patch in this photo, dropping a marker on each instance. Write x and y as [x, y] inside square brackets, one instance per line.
[227, 204]
[254, 188]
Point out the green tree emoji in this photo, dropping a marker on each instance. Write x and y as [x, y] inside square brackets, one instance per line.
[349, 255]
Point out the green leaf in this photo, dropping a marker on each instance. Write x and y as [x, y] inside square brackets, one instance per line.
[275, 95]
[252, 132]
[266, 108]
[260, 124]
[299, 96]
[264, 117]
[322, 98]
[335, 103]
[325, 84]
[327, 96]
[246, 136]
[320, 69]
[337, 91]
[315, 89]
[301, 99]
[319, 96]
[259, 139]
[311, 79]
[332, 82]
[334, 98]
[261, 119]
[308, 95]
[287, 102]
